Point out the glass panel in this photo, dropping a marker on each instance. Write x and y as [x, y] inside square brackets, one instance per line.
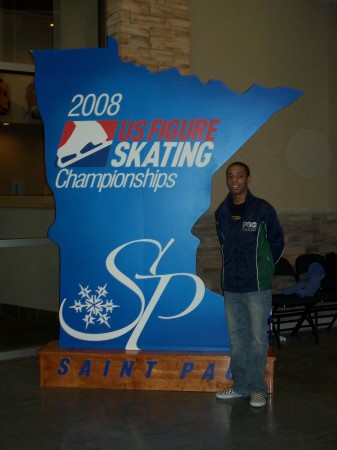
[47, 24]
[25, 25]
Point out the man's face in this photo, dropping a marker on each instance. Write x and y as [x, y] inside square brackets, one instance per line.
[237, 180]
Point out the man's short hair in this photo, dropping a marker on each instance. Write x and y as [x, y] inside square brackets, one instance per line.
[239, 163]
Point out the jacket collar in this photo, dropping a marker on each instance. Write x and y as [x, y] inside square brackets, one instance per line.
[249, 199]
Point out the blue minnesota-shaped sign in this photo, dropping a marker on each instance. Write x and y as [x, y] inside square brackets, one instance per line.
[130, 157]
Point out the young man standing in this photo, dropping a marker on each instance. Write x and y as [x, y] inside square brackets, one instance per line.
[252, 241]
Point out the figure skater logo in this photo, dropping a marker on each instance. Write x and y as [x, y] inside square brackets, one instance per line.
[81, 139]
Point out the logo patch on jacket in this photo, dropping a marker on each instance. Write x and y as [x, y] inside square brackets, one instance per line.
[249, 226]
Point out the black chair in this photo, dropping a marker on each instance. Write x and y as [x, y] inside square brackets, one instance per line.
[302, 265]
[327, 295]
[291, 308]
[303, 262]
[284, 275]
[284, 268]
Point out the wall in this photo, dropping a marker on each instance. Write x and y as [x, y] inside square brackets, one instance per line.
[293, 157]
[153, 33]
[29, 262]
[22, 159]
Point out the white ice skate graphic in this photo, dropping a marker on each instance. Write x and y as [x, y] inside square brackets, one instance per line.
[87, 138]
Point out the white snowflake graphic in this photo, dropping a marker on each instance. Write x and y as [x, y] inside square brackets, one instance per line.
[95, 306]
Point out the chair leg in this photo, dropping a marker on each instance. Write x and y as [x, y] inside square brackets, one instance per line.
[313, 326]
[277, 337]
[299, 323]
[332, 322]
[275, 332]
[306, 316]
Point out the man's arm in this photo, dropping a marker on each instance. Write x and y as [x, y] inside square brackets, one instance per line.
[275, 235]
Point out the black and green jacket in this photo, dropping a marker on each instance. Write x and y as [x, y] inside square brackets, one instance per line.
[250, 246]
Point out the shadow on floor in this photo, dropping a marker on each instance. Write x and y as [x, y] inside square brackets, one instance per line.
[17, 332]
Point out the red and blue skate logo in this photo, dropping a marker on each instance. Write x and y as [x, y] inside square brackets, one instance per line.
[86, 143]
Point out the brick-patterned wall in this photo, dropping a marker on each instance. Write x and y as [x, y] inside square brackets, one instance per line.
[304, 233]
[152, 33]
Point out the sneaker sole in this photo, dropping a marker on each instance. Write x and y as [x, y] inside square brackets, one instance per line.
[228, 397]
[257, 405]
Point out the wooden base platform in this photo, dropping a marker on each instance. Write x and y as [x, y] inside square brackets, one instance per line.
[143, 370]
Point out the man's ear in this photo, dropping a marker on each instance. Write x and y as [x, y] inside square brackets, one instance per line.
[249, 179]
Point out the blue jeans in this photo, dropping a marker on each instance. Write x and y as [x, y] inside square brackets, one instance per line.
[247, 316]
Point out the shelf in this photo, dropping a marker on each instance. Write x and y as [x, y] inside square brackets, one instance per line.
[16, 67]
[27, 201]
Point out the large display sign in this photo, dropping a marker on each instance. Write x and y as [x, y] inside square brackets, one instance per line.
[130, 157]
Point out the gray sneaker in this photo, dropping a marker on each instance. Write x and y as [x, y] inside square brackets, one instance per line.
[257, 400]
[228, 393]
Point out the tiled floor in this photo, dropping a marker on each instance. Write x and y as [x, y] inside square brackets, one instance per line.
[302, 414]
